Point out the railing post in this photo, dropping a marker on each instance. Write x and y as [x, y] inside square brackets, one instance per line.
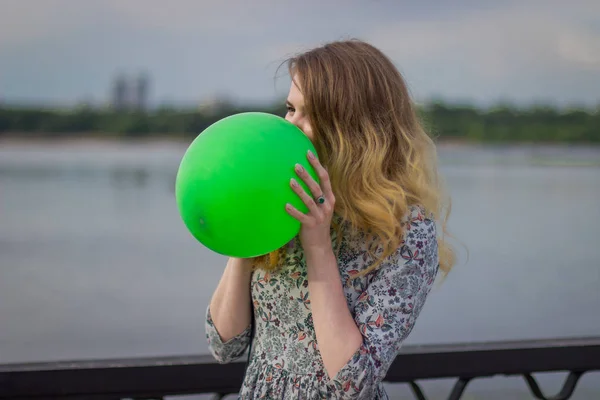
[566, 391]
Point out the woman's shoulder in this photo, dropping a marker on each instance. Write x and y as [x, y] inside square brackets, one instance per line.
[418, 237]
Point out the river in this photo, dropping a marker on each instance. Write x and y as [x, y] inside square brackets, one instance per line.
[96, 263]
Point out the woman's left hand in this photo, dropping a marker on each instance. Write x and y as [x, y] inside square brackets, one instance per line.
[315, 231]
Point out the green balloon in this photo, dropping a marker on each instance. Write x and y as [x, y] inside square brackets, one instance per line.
[233, 183]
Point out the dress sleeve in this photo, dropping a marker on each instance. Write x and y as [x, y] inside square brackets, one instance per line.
[386, 311]
[225, 352]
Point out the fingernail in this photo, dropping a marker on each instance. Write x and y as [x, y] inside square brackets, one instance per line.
[294, 183]
[311, 155]
[299, 168]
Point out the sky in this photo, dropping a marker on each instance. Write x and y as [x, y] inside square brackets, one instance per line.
[473, 51]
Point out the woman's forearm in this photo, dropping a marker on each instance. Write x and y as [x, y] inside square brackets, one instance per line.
[230, 306]
[337, 334]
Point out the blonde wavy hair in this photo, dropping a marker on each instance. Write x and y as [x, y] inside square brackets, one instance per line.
[380, 159]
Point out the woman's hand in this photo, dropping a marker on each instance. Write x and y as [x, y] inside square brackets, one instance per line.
[315, 231]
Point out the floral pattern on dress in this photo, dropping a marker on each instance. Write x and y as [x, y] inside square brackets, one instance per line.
[286, 363]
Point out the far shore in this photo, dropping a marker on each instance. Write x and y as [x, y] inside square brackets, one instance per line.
[154, 140]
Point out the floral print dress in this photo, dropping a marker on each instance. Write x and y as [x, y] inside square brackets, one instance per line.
[285, 362]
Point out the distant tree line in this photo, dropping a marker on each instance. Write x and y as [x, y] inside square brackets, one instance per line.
[444, 121]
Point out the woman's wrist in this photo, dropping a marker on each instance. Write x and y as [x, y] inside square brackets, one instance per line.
[321, 262]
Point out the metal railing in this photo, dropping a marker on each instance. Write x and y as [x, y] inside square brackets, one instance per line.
[155, 378]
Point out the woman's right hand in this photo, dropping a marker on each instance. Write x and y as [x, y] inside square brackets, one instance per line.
[230, 306]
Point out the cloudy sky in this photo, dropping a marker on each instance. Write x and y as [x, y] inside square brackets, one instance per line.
[521, 51]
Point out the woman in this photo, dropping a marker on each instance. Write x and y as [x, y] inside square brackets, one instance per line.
[328, 313]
